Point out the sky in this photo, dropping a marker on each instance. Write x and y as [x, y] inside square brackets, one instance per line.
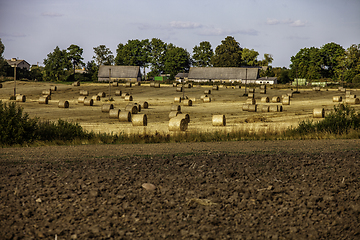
[31, 29]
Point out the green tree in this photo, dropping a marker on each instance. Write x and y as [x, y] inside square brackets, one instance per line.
[177, 60]
[351, 63]
[56, 65]
[307, 63]
[103, 55]
[157, 50]
[249, 57]
[228, 53]
[268, 59]
[75, 55]
[4, 66]
[332, 55]
[91, 71]
[202, 55]
[36, 73]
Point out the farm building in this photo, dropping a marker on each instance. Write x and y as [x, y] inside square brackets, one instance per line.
[181, 76]
[119, 73]
[267, 80]
[19, 63]
[223, 74]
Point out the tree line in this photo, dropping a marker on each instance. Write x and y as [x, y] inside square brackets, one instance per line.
[331, 61]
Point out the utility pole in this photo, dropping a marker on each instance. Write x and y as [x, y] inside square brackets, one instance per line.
[14, 80]
[109, 83]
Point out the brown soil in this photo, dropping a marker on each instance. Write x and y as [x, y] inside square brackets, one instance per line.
[226, 190]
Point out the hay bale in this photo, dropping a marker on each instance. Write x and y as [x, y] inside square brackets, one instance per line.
[252, 108]
[203, 96]
[81, 99]
[264, 108]
[107, 107]
[46, 92]
[125, 116]
[139, 120]
[251, 95]
[218, 120]
[207, 91]
[347, 92]
[263, 86]
[337, 98]
[76, 84]
[43, 100]
[128, 98]
[273, 108]
[128, 84]
[250, 101]
[47, 96]
[115, 84]
[63, 104]
[96, 98]
[132, 108]
[175, 107]
[84, 93]
[351, 96]
[174, 84]
[265, 99]
[123, 95]
[316, 89]
[352, 101]
[251, 90]
[114, 113]
[144, 105]
[215, 87]
[206, 99]
[101, 94]
[173, 114]
[53, 88]
[179, 89]
[118, 93]
[245, 107]
[20, 98]
[137, 84]
[185, 116]
[286, 100]
[187, 102]
[318, 113]
[89, 102]
[138, 106]
[262, 91]
[177, 99]
[157, 85]
[177, 124]
[275, 99]
[237, 87]
[290, 94]
[152, 84]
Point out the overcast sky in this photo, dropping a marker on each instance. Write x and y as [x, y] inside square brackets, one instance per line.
[30, 29]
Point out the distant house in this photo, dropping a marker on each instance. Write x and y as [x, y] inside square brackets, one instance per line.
[180, 76]
[119, 73]
[19, 63]
[267, 80]
[223, 74]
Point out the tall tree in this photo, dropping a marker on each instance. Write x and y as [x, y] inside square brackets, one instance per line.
[202, 55]
[249, 57]
[75, 55]
[4, 66]
[228, 53]
[56, 65]
[332, 55]
[157, 56]
[268, 59]
[103, 55]
[352, 63]
[177, 60]
[307, 63]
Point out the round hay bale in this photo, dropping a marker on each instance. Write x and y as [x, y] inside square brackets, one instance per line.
[245, 107]
[152, 84]
[43, 100]
[47, 96]
[237, 87]
[284, 96]
[273, 108]
[84, 93]
[138, 84]
[179, 89]
[264, 108]
[132, 108]
[187, 102]
[203, 96]
[265, 99]
[123, 95]
[76, 84]
[337, 98]
[144, 105]
[215, 87]
[177, 99]
[263, 86]
[157, 85]
[290, 94]
[280, 108]
[316, 89]
[173, 114]
[250, 101]
[46, 92]
[262, 91]
[351, 96]
[286, 100]
[252, 108]
[251, 90]
[275, 99]
[207, 91]
[63, 104]
[340, 88]
[128, 98]
[138, 106]
[53, 88]
[318, 113]
[107, 107]
[115, 84]
[125, 116]
[114, 113]
[128, 84]
[175, 107]
[118, 93]
[177, 124]
[206, 99]
[20, 98]
[174, 84]
[96, 98]
[185, 116]
[251, 95]
[139, 120]
[352, 100]
[347, 92]
[218, 120]
[89, 102]
[101, 94]
[81, 99]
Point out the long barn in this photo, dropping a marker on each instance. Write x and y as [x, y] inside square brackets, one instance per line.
[223, 74]
[119, 73]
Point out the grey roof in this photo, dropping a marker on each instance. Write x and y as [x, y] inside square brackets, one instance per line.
[225, 73]
[12, 62]
[182, 75]
[268, 78]
[119, 71]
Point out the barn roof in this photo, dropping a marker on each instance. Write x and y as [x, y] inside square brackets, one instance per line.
[119, 71]
[225, 73]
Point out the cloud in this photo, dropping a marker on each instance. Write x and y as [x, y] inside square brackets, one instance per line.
[290, 22]
[184, 25]
[298, 23]
[270, 21]
[212, 31]
[51, 14]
